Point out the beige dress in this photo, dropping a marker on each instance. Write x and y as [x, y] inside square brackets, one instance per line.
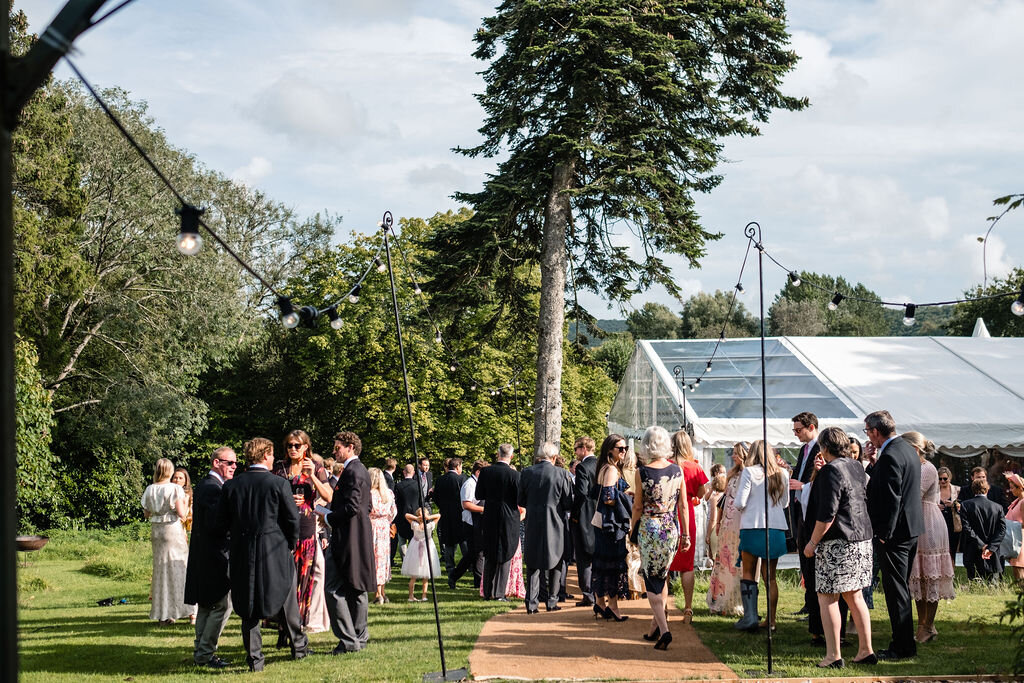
[170, 552]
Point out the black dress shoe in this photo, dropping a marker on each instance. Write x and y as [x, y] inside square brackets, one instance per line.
[451, 583]
[663, 642]
[531, 611]
[216, 663]
[834, 664]
[870, 660]
[556, 608]
[339, 650]
[893, 656]
[584, 603]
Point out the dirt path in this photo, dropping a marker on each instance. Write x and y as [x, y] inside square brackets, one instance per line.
[572, 644]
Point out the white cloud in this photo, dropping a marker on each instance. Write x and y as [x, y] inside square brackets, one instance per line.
[252, 173]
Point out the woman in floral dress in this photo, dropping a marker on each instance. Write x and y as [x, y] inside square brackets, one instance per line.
[660, 487]
[382, 511]
[724, 588]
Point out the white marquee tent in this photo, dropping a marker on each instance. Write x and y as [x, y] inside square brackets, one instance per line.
[964, 393]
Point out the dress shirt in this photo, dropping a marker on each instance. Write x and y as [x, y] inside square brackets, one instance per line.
[468, 494]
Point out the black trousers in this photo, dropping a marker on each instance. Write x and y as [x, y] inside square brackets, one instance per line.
[252, 639]
[472, 557]
[584, 561]
[448, 554]
[895, 559]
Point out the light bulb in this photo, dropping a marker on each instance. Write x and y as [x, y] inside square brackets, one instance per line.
[692, 388]
[908, 316]
[739, 287]
[709, 367]
[832, 305]
[290, 320]
[472, 387]
[437, 338]
[353, 296]
[417, 290]
[453, 367]
[836, 299]
[794, 278]
[381, 266]
[189, 243]
[1017, 307]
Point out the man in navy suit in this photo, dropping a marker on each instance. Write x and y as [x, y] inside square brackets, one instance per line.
[805, 428]
[894, 505]
[206, 578]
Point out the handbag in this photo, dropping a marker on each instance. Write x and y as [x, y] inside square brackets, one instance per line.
[1010, 547]
[957, 524]
[598, 519]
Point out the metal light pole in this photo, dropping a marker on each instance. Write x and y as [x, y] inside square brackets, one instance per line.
[20, 77]
[750, 232]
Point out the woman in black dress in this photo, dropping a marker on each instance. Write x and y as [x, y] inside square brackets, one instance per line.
[610, 573]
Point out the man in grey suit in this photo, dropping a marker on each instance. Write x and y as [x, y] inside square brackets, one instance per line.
[546, 493]
[583, 507]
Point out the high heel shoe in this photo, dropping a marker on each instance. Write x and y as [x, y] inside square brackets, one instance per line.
[834, 664]
[609, 614]
[653, 636]
[663, 642]
[687, 616]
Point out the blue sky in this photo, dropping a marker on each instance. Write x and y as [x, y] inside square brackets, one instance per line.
[353, 107]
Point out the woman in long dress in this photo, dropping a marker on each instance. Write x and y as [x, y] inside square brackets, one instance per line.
[696, 486]
[382, 511]
[931, 574]
[660, 489]
[634, 575]
[724, 587]
[609, 580]
[165, 506]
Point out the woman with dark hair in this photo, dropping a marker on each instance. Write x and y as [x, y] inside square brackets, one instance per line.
[949, 494]
[696, 487]
[308, 481]
[609, 580]
[659, 489]
[840, 545]
[181, 478]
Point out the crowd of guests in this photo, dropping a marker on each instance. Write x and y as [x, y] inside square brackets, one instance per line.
[299, 543]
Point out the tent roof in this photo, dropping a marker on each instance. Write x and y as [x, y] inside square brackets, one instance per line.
[957, 391]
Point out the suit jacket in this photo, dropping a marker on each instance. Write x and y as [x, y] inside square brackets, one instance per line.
[995, 494]
[351, 533]
[407, 499]
[584, 502]
[797, 515]
[206, 577]
[546, 493]
[389, 480]
[497, 487]
[448, 496]
[894, 493]
[984, 524]
[257, 510]
[426, 482]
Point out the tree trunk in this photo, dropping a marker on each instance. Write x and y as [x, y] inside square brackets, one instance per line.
[547, 424]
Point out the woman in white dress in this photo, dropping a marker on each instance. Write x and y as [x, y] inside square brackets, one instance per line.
[415, 563]
[165, 505]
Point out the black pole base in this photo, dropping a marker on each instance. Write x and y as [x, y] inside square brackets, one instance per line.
[452, 675]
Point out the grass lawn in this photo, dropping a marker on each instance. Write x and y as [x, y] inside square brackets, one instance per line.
[65, 636]
[971, 640]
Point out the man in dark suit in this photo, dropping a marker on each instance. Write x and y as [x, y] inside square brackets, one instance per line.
[805, 428]
[472, 531]
[995, 493]
[407, 501]
[894, 505]
[206, 577]
[448, 496]
[583, 506]
[984, 524]
[425, 478]
[258, 511]
[546, 493]
[497, 488]
[349, 563]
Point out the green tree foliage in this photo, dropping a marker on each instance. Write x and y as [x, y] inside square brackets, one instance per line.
[851, 318]
[611, 113]
[789, 318]
[928, 322]
[323, 381]
[653, 321]
[996, 312]
[614, 354]
[36, 475]
[704, 315]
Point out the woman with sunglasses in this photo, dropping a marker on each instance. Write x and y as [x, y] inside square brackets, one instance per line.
[614, 506]
[308, 481]
[949, 494]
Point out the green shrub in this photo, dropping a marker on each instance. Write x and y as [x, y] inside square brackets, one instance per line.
[121, 564]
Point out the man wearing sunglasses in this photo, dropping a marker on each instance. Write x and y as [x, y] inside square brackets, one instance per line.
[206, 578]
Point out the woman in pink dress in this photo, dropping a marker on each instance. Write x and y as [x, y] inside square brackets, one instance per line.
[516, 586]
[1016, 513]
[696, 480]
[382, 511]
[931, 574]
[724, 587]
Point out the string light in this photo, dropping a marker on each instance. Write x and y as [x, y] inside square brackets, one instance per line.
[908, 315]
[332, 315]
[693, 388]
[353, 296]
[708, 369]
[417, 291]
[836, 300]
[454, 366]
[739, 287]
[289, 318]
[189, 240]
[1017, 307]
[381, 266]
[438, 337]
[794, 277]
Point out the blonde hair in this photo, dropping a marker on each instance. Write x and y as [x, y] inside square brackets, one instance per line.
[378, 483]
[163, 469]
[256, 450]
[775, 478]
[739, 449]
[655, 444]
[925, 448]
[682, 447]
[718, 483]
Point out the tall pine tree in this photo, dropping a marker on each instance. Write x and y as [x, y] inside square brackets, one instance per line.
[612, 114]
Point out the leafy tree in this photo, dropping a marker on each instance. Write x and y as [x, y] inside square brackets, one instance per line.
[851, 318]
[653, 321]
[36, 475]
[795, 319]
[1001, 322]
[614, 354]
[705, 314]
[928, 322]
[612, 113]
